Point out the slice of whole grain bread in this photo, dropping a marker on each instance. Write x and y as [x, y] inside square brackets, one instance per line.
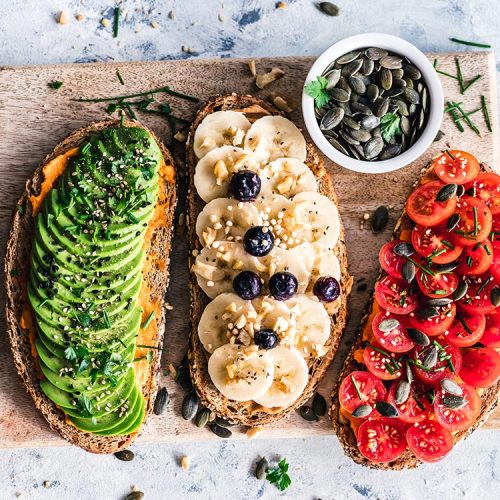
[489, 397]
[249, 413]
[16, 272]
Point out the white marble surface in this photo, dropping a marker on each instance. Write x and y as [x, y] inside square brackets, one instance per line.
[30, 35]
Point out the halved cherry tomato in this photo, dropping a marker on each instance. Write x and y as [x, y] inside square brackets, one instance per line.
[416, 408]
[444, 368]
[466, 330]
[436, 325]
[477, 299]
[487, 187]
[495, 266]
[429, 441]
[383, 366]
[395, 340]
[481, 366]
[476, 260]
[475, 222]
[423, 208]
[395, 296]
[457, 167]
[391, 263]
[491, 335]
[438, 285]
[434, 242]
[495, 233]
[460, 418]
[382, 439]
[368, 385]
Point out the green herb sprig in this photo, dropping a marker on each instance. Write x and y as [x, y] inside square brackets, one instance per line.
[116, 21]
[279, 475]
[389, 126]
[471, 44]
[317, 90]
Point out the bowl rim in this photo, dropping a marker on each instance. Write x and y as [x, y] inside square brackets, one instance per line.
[436, 101]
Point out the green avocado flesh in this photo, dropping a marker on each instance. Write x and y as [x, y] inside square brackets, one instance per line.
[85, 279]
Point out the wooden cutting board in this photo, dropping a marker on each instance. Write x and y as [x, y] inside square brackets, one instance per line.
[34, 118]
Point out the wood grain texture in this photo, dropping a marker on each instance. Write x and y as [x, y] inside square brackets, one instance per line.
[34, 118]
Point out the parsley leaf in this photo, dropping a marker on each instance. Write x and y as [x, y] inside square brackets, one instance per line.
[279, 475]
[84, 405]
[55, 84]
[389, 126]
[317, 90]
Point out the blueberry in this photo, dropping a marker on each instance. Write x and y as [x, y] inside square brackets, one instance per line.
[258, 241]
[247, 285]
[326, 289]
[245, 185]
[283, 285]
[266, 338]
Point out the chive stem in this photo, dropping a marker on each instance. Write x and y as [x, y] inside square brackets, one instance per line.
[484, 285]
[472, 82]
[356, 386]
[454, 116]
[166, 90]
[471, 44]
[486, 114]
[120, 78]
[421, 267]
[468, 121]
[116, 20]
[460, 77]
[474, 211]
[148, 320]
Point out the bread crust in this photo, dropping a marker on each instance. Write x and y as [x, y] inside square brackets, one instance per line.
[489, 396]
[18, 255]
[210, 397]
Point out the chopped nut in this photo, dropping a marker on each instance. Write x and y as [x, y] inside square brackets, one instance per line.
[63, 18]
[180, 136]
[281, 5]
[154, 24]
[252, 67]
[253, 432]
[185, 462]
[79, 17]
[395, 179]
[171, 15]
[366, 216]
[105, 22]
[172, 370]
[221, 17]
[263, 80]
[281, 104]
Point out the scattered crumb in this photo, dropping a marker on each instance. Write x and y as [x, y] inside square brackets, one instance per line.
[105, 22]
[180, 136]
[46, 484]
[172, 370]
[212, 416]
[282, 104]
[19, 494]
[79, 17]
[221, 17]
[63, 17]
[253, 432]
[252, 68]
[188, 50]
[366, 216]
[265, 79]
[185, 462]
[134, 488]
[154, 24]
[281, 5]
[171, 15]
[169, 307]
[395, 179]
[179, 229]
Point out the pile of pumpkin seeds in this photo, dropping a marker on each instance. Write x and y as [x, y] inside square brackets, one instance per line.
[378, 104]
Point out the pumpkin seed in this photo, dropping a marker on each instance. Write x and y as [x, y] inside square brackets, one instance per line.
[402, 392]
[451, 387]
[161, 401]
[354, 149]
[135, 495]
[349, 57]
[439, 136]
[375, 53]
[347, 138]
[386, 79]
[369, 122]
[454, 402]
[336, 144]
[418, 337]
[495, 296]
[409, 373]
[319, 405]
[445, 268]
[391, 62]
[190, 406]
[408, 271]
[431, 358]
[461, 290]
[184, 378]
[372, 92]
[398, 73]
[339, 94]
[404, 249]
[220, 431]
[446, 192]
[373, 148]
[125, 455]
[357, 84]
[460, 190]
[361, 108]
[411, 95]
[388, 324]
[412, 71]
[351, 122]
[428, 312]
[424, 99]
[360, 135]
[380, 217]
[471, 191]
[452, 222]
[367, 67]
[202, 417]
[441, 302]
[362, 411]
[404, 123]
[409, 82]
[329, 8]
[393, 92]
[402, 107]
[386, 409]
[381, 107]
[223, 422]
[398, 83]
[307, 413]
[352, 67]
[332, 118]
[261, 468]
[333, 78]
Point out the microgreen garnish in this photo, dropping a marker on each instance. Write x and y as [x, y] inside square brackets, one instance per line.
[279, 475]
[56, 84]
[120, 78]
[317, 90]
[474, 211]
[426, 270]
[486, 114]
[160, 90]
[465, 325]
[148, 320]
[456, 119]
[484, 284]
[460, 77]
[389, 126]
[116, 21]
[396, 365]
[356, 386]
[471, 44]
[105, 317]
[21, 209]
[84, 405]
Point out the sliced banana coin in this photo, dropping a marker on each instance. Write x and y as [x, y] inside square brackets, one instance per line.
[288, 177]
[227, 316]
[279, 260]
[289, 381]
[277, 316]
[226, 219]
[313, 325]
[241, 373]
[214, 170]
[273, 137]
[319, 261]
[219, 129]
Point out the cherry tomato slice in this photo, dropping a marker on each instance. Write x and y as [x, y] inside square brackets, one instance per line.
[456, 167]
[475, 222]
[495, 233]
[476, 260]
[416, 408]
[439, 285]
[391, 263]
[477, 299]
[395, 340]
[423, 208]
[495, 266]
[436, 325]
[458, 419]
[444, 368]
[487, 187]
[491, 335]
[466, 330]
[395, 296]
[369, 386]
[382, 439]
[429, 441]
[383, 366]
[481, 367]
[434, 242]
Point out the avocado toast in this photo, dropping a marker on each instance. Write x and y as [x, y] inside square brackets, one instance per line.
[86, 273]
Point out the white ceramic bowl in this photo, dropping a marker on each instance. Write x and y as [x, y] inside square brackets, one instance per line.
[418, 59]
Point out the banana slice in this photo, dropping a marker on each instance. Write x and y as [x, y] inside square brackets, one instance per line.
[226, 219]
[225, 317]
[288, 177]
[273, 137]
[289, 381]
[279, 260]
[219, 129]
[313, 325]
[241, 373]
[319, 261]
[214, 170]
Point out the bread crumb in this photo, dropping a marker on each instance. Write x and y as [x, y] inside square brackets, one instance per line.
[252, 67]
[185, 462]
[79, 17]
[253, 432]
[105, 22]
[281, 5]
[395, 179]
[282, 104]
[180, 136]
[172, 370]
[46, 484]
[171, 15]
[63, 17]
[265, 79]
[154, 24]
[134, 488]
[366, 216]
[169, 307]
[221, 17]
